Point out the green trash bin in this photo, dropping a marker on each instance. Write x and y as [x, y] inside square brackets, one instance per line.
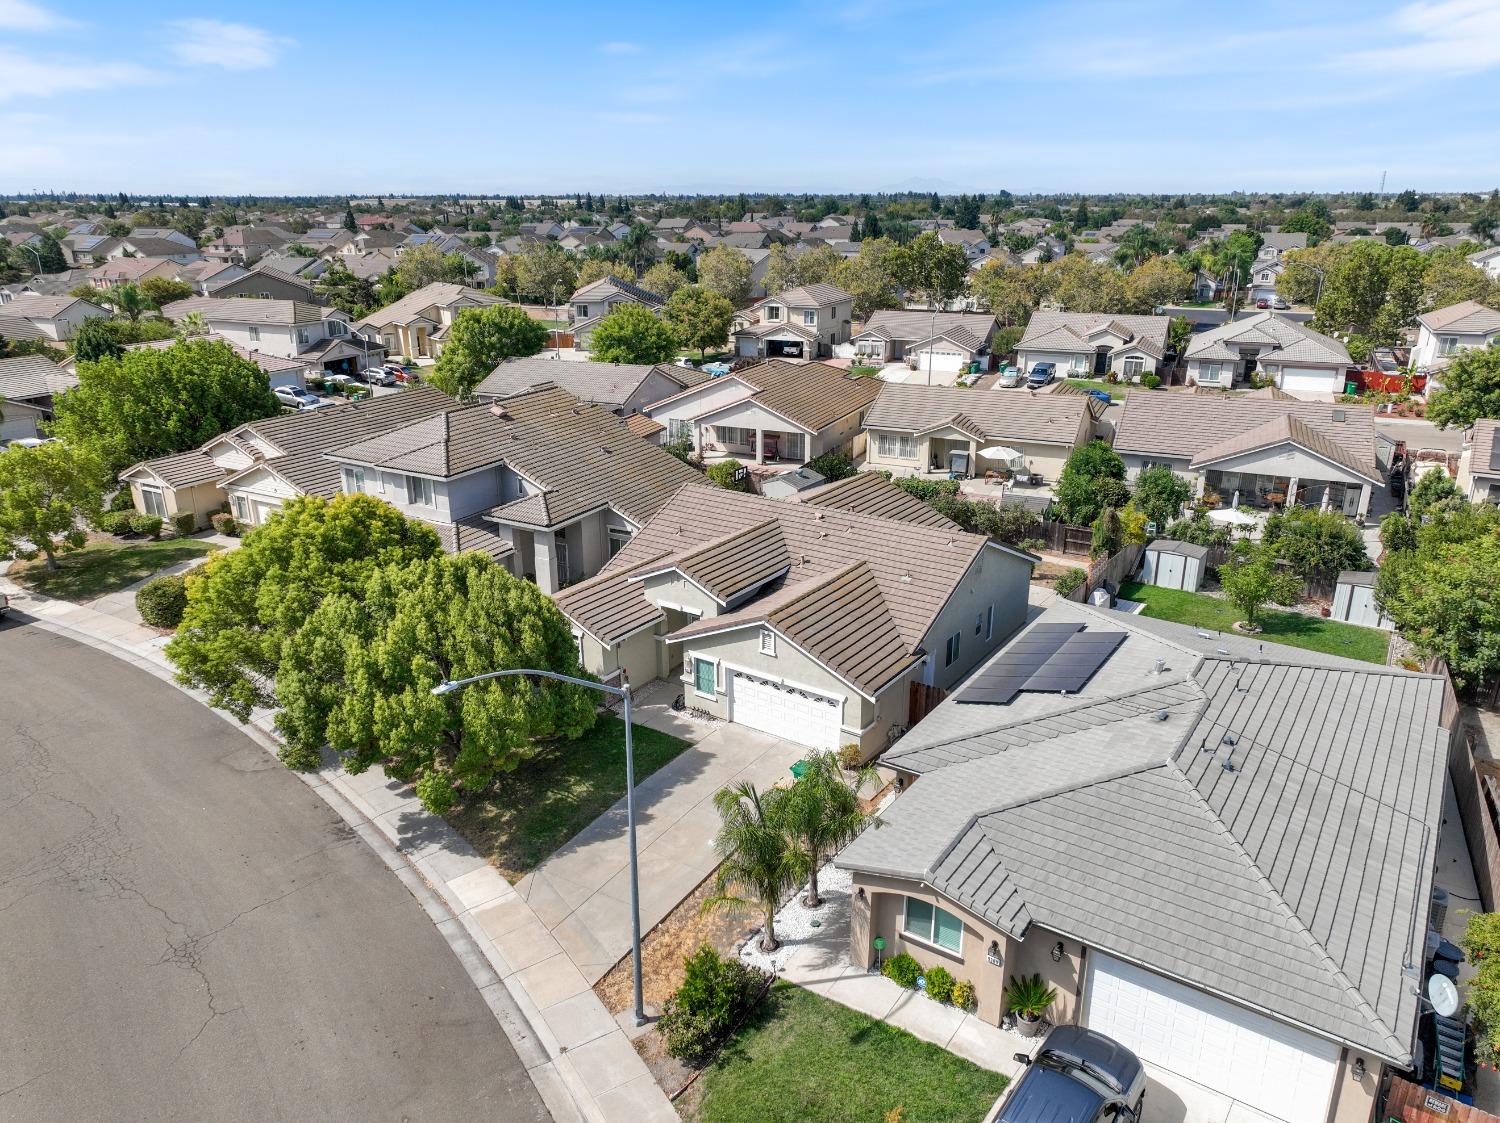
[1351, 387]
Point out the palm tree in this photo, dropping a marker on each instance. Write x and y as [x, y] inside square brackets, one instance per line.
[127, 299]
[760, 865]
[638, 246]
[821, 812]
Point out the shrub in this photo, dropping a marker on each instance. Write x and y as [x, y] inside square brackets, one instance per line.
[184, 523]
[1151, 380]
[723, 474]
[121, 500]
[149, 525]
[902, 970]
[715, 993]
[832, 466]
[939, 984]
[926, 490]
[682, 449]
[1028, 996]
[115, 522]
[963, 994]
[1070, 581]
[162, 601]
[851, 756]
[224, 523]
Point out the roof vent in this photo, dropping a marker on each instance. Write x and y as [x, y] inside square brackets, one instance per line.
[1159, 715]
[1160, 667]
[906, 579]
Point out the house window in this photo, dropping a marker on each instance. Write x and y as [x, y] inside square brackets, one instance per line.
[583, 311]
[703, 677]
[978, 623]
[1080, 364]
[679, 430]
[337, 327]
[773, 312]
[809, 317]
[950, 654]
[354, 481]
[241, 507]
[767, 642]
[1447, 344]
[419, 492]
[254, 334]
[302, 336]
[733, 434]
[618, 536]
[389, 343]
[151, 499]
[989, 624]
[1134, 366]
[931, 925]
[897, 445]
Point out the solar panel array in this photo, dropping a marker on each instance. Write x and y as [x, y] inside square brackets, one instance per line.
[1049, 659]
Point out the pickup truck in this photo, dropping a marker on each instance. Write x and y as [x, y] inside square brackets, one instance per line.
[1041, 375]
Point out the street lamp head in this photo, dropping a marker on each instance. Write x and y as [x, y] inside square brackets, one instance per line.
[446, 688]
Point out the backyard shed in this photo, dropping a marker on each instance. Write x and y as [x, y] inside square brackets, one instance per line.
[1354, 601]
[1174, 565]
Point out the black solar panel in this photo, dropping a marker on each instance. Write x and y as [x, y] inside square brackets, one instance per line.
[1049, 659]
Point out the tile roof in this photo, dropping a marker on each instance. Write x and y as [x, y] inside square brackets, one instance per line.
[643, 426]
[1468, 316]
[1181, 426]
[729, 566]
[911, 326]
[1270, 839]
[1484, 454]
[24, 377]
[1290, 340]
[39, 307]
[473, 533]
[1280, 430]
[870, 493]
[602, 286]
[1074, 331]
[244, 310]
[440, 294]
[607, 384]
[817, 295]
[1002, 415]
[182, 469]
[813, 395]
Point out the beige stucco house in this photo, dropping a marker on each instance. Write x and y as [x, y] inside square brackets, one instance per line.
[806, 322]
[1094, 344]
[416, 325]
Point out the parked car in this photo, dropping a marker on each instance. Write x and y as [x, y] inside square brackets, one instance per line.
[298, 398]
[338, 379]
[1263, 304]
[1010, 376]
[31, 442]
[1078, 1076]
[1041, 375]
[1280, 305]
[378, 376]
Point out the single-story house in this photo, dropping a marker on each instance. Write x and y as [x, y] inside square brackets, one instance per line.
[949, 341]
[592, 302]
[1260, 452]
[798, 618]
[28, 386]
[50, 317]
[622, 388]
[122, 270]
[1293, 356]
[1090, 344]
[933, 431]
[1196, 841]
[806, 322]
[1444, 332]
[1479, 462]
[772, 412]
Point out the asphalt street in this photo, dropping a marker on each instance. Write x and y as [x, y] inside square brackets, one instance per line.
[187, 932]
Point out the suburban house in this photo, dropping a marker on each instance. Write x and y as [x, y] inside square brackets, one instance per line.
[178, 247]
[266, 283]
[549, 485]
[1274, 245]
[321, 339]
[204, 275]
[1089, 344]
[974, 243]
[806, 322]
[1478, 464]
[1487, 259]
[280, 370]
[1265, 275]
[1196, 840]
[121, 270]
[47, 317]
[1444, 332]
[621, 388]
[28, 385]
[934, 431]
[417, 324]
[947, 342]
[592, 302]
[1260, 452]
[800, 618]
[245, 245]
[1291, 355]
[773, 412]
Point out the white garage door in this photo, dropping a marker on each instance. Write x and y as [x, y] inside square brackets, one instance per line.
[1308, 382]
[784, 711]
[1264, 1064]
[749, 348]
[942, 360]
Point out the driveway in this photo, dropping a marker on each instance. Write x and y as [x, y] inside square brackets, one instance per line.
[188, 932]
[1175, 1099]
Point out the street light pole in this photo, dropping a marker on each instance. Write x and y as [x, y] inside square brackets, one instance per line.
[622, 692]
[32, 250]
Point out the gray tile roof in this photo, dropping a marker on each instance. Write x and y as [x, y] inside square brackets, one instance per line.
[1291, 342]
[1467, 317]
[1001, 415]
[605, 285]
[1270, 839]
[1281, 430]
[913, 326]
[869, 493]
[1071, 331]
[818, 295]
[244, 310]
[1484, 455]
[607, 384]
[25, 377]
[439, 294]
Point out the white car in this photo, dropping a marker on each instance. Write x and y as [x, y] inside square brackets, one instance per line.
[1009, 378]
[338, 379]
[31, 442]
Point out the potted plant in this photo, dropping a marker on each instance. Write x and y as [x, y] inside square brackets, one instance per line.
[1028, 998]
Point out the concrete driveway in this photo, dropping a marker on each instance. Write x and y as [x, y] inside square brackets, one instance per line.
[187, 932]
[1175, 1099]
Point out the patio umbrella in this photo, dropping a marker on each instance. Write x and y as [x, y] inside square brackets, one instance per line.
[1000, 452]
[1232, 517]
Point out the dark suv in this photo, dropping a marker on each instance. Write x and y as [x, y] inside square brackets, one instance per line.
[1078, 1076]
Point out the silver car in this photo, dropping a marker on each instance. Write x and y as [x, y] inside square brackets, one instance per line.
[1010, 378]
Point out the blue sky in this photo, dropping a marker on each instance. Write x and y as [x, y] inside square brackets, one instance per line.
[842, 95]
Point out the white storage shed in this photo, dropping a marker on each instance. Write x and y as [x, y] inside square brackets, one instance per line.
[1354, 601]
[1174, 565]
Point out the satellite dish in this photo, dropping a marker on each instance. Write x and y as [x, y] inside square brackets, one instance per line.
[1443, 995]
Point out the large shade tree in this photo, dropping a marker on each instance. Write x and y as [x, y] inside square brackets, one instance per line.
[479, 340]
[47, 492]
[632, 333]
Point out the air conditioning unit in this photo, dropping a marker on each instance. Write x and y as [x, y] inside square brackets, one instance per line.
[1439, 913]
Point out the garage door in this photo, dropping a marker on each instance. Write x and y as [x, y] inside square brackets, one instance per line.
[800, 716]
[1169, 571]
[1264, 1064]
[749, 348]
[942, 360]
[1303, 383]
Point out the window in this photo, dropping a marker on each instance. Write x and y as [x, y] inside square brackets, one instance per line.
[1080, 364]
[679, 430]
[767, 642]
[583, 311]
[337, 327]
[978, 623]
[241, 507]
[989, 624]
[703, 677]
[809, 317]
[302, 336]
[254, 334]
[1134, 366]
[932, 925]
[354, 481]
[419, 492]
[773, 312]
[1447, 344]
[897, 445]
[734, 435]
[151, 499]
[950, 654]
[389, 343]
[618, 536]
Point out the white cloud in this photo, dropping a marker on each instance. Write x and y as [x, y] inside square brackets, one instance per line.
[620, 48]
[25, 75]
[236, 46]
[1444, 38]
[22, 15]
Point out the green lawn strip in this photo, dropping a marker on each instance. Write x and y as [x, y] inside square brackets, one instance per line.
[105, 566]
[532, 811]
[1116, 392]
[802, 1057]
[864, 371]
[1291, 628]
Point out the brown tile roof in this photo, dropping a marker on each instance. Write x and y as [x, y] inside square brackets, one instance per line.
[816, 295]
[1465, 316]
[869, 493]
[439, 294]
[473, 533]
[1280, 430]
[1484, 456]
[1001, 415]
[180, 470]
[643, 426]
[737, 562]
[814, 395]
[24, 377]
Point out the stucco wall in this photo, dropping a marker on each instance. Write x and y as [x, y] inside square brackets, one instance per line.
[994, 578]
[1354, 1100]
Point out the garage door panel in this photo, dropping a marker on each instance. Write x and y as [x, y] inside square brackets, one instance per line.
[1262, 1063]
[801, 716]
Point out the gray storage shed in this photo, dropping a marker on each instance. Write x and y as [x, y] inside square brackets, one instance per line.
[1354, 601]
[1174, 565]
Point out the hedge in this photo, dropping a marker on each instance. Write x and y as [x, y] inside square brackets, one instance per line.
[162, 601]
[149, 525]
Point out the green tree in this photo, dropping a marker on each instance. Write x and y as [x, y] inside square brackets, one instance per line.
[726, 271]
[1179, 331]
[50, 250]
[821, 813]
[1155, 282]
[1160, 494]
[47, 493]
[1450, 279]
[127, 299]
[700, 317]
[1092, 479]
[161, 291]
[760, 865]
[148, 403]
[638, 247]
[352, 295]
[1395, 236]
[1309, 221]
[1316, 545]
[664, 279]
[408, 629]
[819, 265]
[632, 333]
[94, 341]
[1470, 389]
[419, 266]
[546, 272]
[867, 277]
[929, 266]
[245, 605]
[1251, 579]
[1108, 533]
[1434, 491]
[781, 270]
[349, 223]
[1444, 597]
[479, 340]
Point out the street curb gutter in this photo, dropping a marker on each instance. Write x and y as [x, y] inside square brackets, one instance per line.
[552, 1085]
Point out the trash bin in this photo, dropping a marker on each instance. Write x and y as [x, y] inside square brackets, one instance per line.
[1351, 387]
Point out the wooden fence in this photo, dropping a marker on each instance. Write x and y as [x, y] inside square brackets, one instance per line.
[1064, 538]
[1407, 1103]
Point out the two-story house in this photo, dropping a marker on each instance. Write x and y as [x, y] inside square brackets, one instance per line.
[28, 386]
[1291, 355]
[806, 322]
[804, 619]
[1090, 344]
[1479, 463]
[592, 302]
[417, 324]
[974, 243]
[48, 317]
[1274, 246]
[267, 283]
[320, 338]
[1444, 332]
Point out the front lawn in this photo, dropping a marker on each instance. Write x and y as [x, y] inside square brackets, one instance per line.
[864, 371]
[547, 800]
[1116, 392]
[802, 1057]
[105, 566]
[1291, 628]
